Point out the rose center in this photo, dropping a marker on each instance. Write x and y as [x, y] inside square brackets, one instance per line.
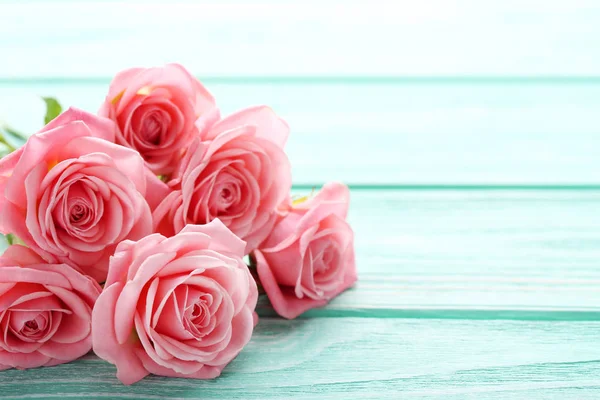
[226, 194]
[79, 214]
[196, 311]
[227, 197]
[325, 263]
[33, 329]
[197, 316]
[327, 260]
[200, 313]
[152, 128]
[33, 325]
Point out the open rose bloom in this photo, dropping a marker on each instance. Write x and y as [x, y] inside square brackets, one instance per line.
[239, 174]
[158, 198]
[180, 306]
[158, 112]
[72, 195]
[309, 256]
[45, 311]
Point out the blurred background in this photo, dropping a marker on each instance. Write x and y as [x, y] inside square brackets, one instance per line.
[434, 92]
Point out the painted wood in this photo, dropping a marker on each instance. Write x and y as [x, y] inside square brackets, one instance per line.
[398, 131]
[294, 37]
[473, 254]
[354, 358]
[488, 294]
[489, 250]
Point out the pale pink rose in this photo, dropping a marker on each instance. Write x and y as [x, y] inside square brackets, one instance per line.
[240, 174]
[45, 311]
[72, 196]
[308, 258]
[158, 112]
[180, 306]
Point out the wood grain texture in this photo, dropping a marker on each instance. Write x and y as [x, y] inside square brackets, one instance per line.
[397, 132]
[353, 358]
[491, 254]
[458, 297]
[489, 250]
[293, 37]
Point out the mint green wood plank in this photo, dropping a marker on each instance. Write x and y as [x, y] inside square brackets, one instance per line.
[473, 254]
[353, 358]
[480, 251]
[430, 132]
[232, 38]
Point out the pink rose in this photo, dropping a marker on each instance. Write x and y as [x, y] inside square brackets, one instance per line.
[309, 256]
[180, 306]
[159, 111]
[45, 311]
[240, 174]
[72, 196]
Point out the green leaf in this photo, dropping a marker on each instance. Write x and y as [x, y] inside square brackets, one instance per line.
[53, 109]
[5, 149]
[12, 239]
[14, 133]
[11, 138]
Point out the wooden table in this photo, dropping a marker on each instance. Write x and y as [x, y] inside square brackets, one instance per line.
[474, 165]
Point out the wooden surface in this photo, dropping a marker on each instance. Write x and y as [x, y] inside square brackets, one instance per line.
[355, 358]
[399, 131]
[469, 134]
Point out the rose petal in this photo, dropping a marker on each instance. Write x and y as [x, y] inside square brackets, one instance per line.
[241, 326]
[267, 124]
[222, 239]
[19, 255]
[99, 127]
[126, 304]
[204, 372]
[283, 299]
[67, 351]
[129, 367]
[23, 360]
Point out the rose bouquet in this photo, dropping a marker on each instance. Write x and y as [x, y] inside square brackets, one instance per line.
[129, 232]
